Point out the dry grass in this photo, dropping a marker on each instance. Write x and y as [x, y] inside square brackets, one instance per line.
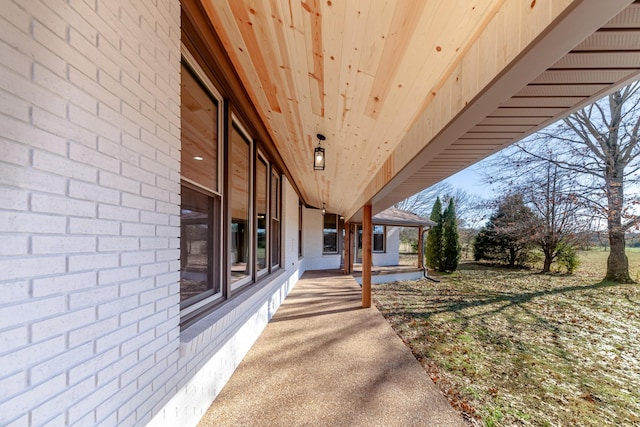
[512, 347]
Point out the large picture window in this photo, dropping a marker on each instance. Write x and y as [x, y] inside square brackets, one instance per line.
[330, 234]
[240, 251]
[200, 210]
[262, 215]
[275, 220]
[379, 233]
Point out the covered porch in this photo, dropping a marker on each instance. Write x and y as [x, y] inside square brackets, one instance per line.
[324, 361]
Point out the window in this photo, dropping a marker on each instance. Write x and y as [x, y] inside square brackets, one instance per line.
[262, 215]
[200, 210]
[231, 199]
[330, 234]
[275, 220]
[300, 229]
[379, 233]
[240, 251]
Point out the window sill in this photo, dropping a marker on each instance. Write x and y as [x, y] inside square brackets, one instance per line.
[214, 329]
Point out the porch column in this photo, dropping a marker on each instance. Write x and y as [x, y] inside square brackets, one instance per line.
[351, 244]
[420, 248]
[367, 232]
[347, 248]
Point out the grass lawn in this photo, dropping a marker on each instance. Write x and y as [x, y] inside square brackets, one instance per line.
[513, 347]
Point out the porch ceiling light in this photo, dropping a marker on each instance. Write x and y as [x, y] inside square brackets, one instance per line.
[324, 209]
[318, 154]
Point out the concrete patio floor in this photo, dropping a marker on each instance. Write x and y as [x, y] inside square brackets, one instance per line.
[325, 361]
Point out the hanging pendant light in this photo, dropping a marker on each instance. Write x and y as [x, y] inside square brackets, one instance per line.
[318, 154]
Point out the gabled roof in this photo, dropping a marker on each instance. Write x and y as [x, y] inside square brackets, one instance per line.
[400, 218]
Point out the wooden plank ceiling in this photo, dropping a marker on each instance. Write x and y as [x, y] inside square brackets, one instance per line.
[387, 81]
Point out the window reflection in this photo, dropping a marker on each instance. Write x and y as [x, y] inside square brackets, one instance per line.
[240, 255]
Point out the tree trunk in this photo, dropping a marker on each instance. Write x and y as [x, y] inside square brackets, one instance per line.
[617, 263]
[548, 259]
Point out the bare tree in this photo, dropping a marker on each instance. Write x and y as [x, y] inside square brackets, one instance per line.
[422, 202]
[599, 144]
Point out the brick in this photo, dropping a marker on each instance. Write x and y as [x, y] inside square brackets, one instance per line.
[123, 364]
[122, 92]
[13, 269]
[12, 339]
[60, 363]
[37, 51]
[12, 384]
[85, 81]
[32, 179]
[114, 308]
[88, 191]
[154, 269]
[136, 258]
[133, 345]
[118, 275]
[92, 157]
[168, 231]
[30, 92]
[138, 202]
[11, 105]
[16, 16]
[13, 198]
[136, 144]
[138, 174]
[63, 284]
[25, 312]
[92, 297]
[167, 255]
[91, 52]
[21, 359]
[89, 121]
[154, 243]
[123, 122]
[133, 316]
[62, 244]
[89, 402]
[15, 292]
[93, 226]
[112, 244]
[138, 118]
[152, 295]
[155, 192]
[149, 323]
[63, 166]
[138, 230]
[92, 262]
[92, 331]
[42, 413]
[26, 401]
[81, 24]
[60, 86]
[13, 245]
[154, 218]
[61, 324]
[118, 182]
[136, 286]
[116, 337]
[17, 154]
[63, 206]
[118, 213]
[44, 15]
[113, 149]
[17, 222]
[90, 365]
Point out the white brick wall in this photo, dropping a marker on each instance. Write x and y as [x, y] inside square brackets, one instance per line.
[89, 182]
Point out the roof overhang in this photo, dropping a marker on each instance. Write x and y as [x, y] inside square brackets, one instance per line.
[410, 92]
